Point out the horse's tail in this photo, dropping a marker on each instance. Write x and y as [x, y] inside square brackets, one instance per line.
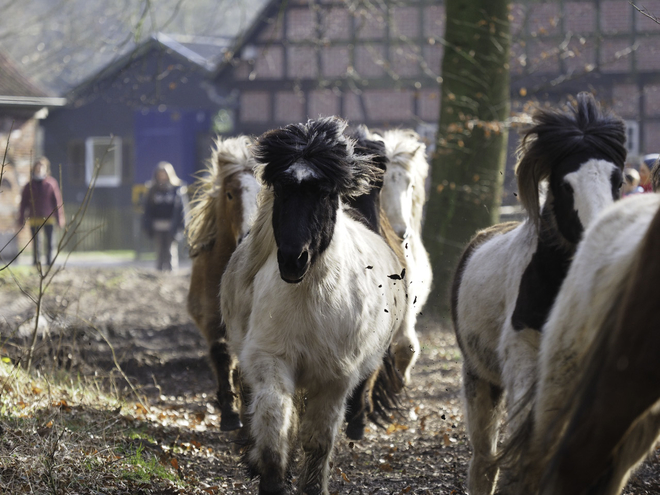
[386, 391]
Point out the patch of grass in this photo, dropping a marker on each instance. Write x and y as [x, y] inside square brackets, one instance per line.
[143, 468]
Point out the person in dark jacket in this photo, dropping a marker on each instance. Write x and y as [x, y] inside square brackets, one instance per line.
[165, 212]
[41, 205]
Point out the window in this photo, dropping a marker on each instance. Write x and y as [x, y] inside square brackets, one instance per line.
[105, 153]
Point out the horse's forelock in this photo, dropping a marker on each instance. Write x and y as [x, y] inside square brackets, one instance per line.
[556, 135]
[322, 146]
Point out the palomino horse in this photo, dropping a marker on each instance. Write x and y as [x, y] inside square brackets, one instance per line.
[403, 197]
[510, 274]
[221, 215]
[596, 407]
[311, 300]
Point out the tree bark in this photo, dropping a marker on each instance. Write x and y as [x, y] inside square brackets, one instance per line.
[467, 169]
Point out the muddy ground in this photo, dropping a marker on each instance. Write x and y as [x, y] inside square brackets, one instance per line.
[140, 314]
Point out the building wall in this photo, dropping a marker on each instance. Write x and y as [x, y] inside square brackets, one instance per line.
[379, 63]
[156, 84]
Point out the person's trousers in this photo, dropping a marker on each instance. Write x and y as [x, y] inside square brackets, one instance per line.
[167, 251]
[48, 234]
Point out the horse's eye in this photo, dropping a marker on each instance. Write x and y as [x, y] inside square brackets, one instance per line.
[620, 184]
[229, 196]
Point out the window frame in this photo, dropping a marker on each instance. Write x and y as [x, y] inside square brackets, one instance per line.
[107, 180]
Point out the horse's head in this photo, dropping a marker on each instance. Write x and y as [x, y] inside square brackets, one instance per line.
[397, 195]
[237, 201]
[225, 199]
[404, 179]
[308, 167]
[581, 154]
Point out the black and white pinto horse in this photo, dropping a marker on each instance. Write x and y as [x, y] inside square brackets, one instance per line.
[376, 397]
[509, 275]
[308, 300]
[596, 407]
[403, 197]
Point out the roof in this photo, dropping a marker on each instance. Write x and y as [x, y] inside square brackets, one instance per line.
[267, 12]
[17, 90]
[204, 51]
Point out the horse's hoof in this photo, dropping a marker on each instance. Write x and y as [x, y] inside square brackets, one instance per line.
[230, 422]
[355, 431]
[277, 491]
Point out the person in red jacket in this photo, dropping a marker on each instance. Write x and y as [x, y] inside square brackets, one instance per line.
[41, 205]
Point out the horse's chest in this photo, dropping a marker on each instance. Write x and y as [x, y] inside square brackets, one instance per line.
[330, 326]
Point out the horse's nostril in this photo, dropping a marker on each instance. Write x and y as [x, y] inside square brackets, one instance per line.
[302, 259]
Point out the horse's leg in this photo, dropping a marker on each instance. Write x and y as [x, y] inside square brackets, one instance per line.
[406, 348]
[359, 406]
[519, 354]
[271, 417]
[322, 418]
[483, 413]
[575, 471]
[224, 365]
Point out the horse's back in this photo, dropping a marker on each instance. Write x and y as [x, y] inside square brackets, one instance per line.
[495, 255]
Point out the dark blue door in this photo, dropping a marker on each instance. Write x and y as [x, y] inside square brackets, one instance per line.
[169, 136]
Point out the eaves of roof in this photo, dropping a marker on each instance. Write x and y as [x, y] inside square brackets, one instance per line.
[31, 101]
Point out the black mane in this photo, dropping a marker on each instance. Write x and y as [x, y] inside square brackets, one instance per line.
[323, 147]
[586, 131]
[366, 207]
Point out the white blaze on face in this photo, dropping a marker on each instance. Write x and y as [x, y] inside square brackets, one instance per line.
[396, 198]
[249, 191]
[592, 189]
[301, 172]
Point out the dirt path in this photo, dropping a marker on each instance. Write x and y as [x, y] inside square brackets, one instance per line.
[142, 315]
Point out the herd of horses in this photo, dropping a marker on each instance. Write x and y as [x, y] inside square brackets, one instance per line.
[309, 272]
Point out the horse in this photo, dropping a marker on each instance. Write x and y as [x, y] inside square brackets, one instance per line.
[596, 407]
[403, 197]
[311, 299]
[377, 395]
[221, 215]
[509, 274]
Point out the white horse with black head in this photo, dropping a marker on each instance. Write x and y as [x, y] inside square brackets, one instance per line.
[309, 300]
[510, 274]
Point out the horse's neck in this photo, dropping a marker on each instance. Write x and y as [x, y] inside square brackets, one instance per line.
[262, 237]
[549, 234]
[368, 205]
[224, 235]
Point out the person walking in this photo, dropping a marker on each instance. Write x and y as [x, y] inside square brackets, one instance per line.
[41, 205]
[165, 212]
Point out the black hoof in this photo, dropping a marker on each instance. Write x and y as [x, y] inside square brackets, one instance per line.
[230, 421]
[355, 430]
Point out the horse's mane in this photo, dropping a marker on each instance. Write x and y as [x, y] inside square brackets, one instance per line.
[555, 135]
[229, 156]
[370, 144]
[405, 149]
[322, 145]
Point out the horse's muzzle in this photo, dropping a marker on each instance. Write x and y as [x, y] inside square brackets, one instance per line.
[293, 265]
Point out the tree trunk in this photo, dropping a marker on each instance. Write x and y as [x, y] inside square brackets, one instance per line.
[468, 166]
